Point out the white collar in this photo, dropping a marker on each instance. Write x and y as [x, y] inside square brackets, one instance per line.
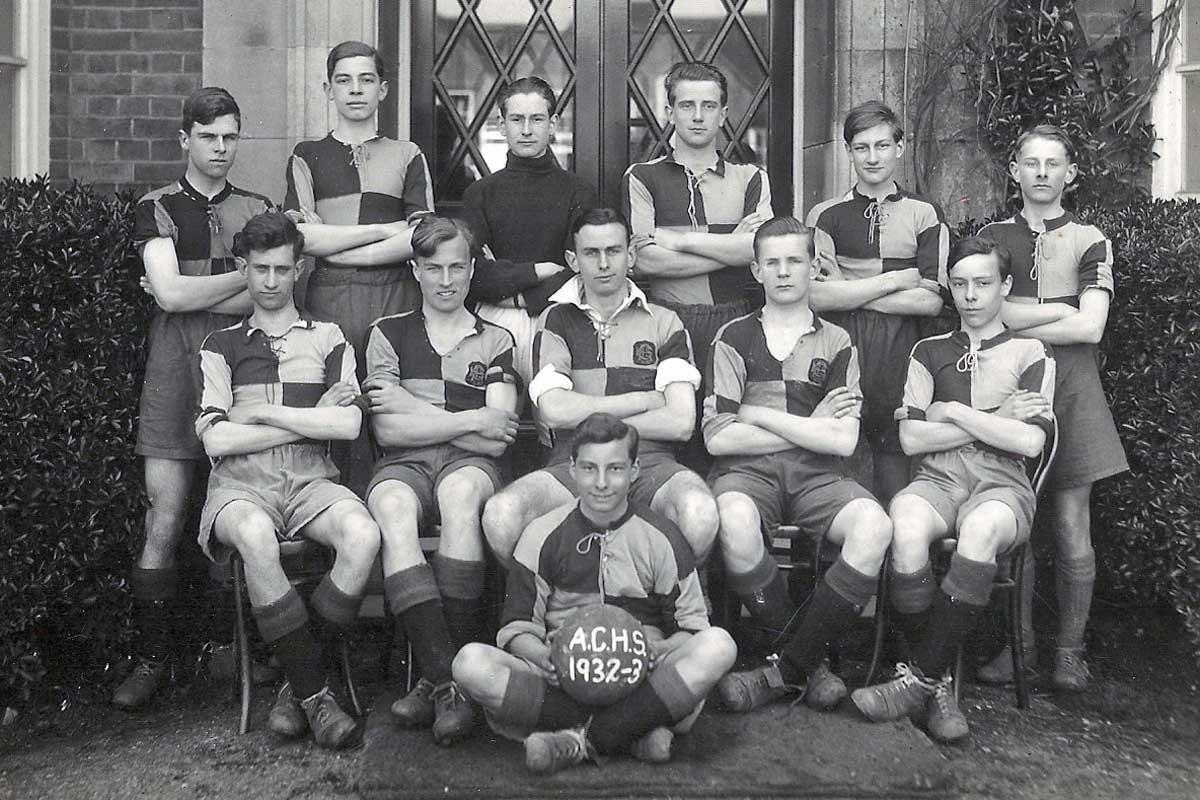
[571, 293]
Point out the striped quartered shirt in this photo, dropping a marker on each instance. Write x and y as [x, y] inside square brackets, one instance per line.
[741, 369]
[202, 228]
[665, 194]
[945, 368]
[380, 180]
[865, 237]
[399, 351]
[639, 562]
[642, 347]
[1056, 266]
[243, 366]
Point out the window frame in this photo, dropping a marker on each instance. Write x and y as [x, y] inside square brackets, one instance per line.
[31, 89]
[1170, 115]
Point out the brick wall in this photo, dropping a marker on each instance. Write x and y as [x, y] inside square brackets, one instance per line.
[120, 70]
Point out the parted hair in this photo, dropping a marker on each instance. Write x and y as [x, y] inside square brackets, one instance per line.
[432, 231]
[530, 84]
[206, 104]
[599, 216]
[981, 246]
[353, 49]
[267, 231]
[694, 71]
[785, 226]
[1051, 132]
[865, 116]
[602, 429]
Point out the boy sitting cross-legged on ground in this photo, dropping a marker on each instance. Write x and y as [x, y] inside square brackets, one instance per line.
[444, 391]
[599, 549]
[278, 387]
[976, 403]
[782, 411]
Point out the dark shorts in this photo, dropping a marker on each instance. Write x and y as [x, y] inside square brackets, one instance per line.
[957, 481]
[883, 342]
[423, 469]
[789, 488]
[292, 483]
[654, 470]
[1088, 446]
[170, 391]
[354, 299]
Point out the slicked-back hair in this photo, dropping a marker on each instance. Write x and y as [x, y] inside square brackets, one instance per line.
[530, 84]
[266, 232]
[206, 104]
[432, 231]
[981, 246]
[785, 226]
[865, 116]
[602, 429]
[599, 216]
[695, 71]
[1051, 132]
[353, 49]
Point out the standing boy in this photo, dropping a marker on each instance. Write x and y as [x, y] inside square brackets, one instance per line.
[443, 413]
[1062, 288]
[976, 404]
[601, 347]
[781, 413]
[522, 216]
[185, 234]
[882, 251]
[604, 548]
[352, 176]
[278, 387]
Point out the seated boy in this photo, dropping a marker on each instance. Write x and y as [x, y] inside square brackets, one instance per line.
[600, 549]
[278, 387]
[444, 411]
[781, 414]
[977, 402]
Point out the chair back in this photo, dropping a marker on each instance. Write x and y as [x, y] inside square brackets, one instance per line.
[1038, 468]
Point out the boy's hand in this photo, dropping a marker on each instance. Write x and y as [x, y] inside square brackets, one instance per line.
[243, 415]
[495, 423]
[941, 412]
[659, 649]
[837, 403]
[389, 398]
[932, 286]
[144, 283]
[545, 665]
[902, 279]
[672, 240]
[303, 215]
[341, 393]
[1023, 405]
[750, 223]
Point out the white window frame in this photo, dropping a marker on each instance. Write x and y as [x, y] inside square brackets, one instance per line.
[31, 92]
[1168, 113]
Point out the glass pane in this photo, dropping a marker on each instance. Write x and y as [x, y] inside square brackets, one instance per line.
[755, 14]
[1191, 32]
[541, 58]
[450, 179]
[743, 71]
[7, 18]
[648, 73]
[7, 78]
[1191, 132]
[562, 14]
[699, 21]
[504, 21]
[444, 18]
[754, 140]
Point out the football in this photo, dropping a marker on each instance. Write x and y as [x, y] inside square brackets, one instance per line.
[601, 655]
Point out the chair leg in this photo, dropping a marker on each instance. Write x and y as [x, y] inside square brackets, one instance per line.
[389, 642]
[1015, 634]
[958, 673]
[348, 675]
[408, 666]
[883, 588]
[241, 641]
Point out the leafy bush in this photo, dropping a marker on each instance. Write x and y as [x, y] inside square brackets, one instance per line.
[72, 324]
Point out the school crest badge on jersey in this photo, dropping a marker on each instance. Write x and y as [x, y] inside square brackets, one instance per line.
[818, 371]
[477, 374]
[644, 353]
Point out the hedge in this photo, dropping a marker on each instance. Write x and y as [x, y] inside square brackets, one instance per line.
[72, 327]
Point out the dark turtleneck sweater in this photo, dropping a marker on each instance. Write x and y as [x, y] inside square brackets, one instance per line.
[524, 212]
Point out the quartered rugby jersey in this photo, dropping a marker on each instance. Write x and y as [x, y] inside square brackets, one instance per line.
[665, 194]
[202, 228]
[639, 562]
[399, 350]
[243, 366]
[741, 370]
[380, 180]
[945, 368]
[642, 347]
[1058, 265]
[865, 237]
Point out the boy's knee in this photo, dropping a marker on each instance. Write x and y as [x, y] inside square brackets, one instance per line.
[873, 530]
[392, 500]
[699, 519]
[460, 494]
[360, 535]
[714, 651]
[253, 536]
[501, 521]
[471, 664]
[740, 526]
